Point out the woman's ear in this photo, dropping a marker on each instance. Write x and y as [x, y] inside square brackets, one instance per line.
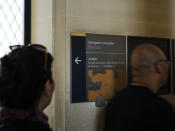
[47, 88]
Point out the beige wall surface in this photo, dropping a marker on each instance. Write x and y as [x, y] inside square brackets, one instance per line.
[42, 33]
[54, 20]
[42, 23]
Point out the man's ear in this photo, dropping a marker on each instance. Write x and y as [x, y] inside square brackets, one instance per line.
[159, 67]
[47, 88]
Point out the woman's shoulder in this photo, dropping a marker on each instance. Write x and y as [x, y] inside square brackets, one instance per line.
[21, 125]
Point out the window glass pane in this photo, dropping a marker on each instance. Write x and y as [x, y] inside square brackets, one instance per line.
[11, 24]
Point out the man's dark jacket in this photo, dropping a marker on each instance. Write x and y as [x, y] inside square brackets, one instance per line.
[139, 109]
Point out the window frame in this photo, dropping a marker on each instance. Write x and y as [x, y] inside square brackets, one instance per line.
[27, 22]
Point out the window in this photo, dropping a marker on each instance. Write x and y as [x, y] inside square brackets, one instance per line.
[14, 23]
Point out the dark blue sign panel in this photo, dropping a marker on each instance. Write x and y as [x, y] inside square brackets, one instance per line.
[78, 69]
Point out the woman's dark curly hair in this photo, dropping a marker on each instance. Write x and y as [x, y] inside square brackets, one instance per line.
[23, 77]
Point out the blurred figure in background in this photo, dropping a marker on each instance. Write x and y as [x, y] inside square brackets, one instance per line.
[26, 88]
[138, 107]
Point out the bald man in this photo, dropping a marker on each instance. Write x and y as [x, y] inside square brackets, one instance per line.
[138, 107]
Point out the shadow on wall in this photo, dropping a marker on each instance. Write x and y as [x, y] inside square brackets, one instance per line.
[100, 123]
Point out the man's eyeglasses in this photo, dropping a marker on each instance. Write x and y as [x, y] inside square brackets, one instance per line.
[35, 46]
[166, 61]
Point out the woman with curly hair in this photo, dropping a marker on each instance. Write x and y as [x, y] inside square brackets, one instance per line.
[26, 88]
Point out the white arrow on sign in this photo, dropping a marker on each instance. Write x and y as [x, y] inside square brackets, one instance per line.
[77, 60]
